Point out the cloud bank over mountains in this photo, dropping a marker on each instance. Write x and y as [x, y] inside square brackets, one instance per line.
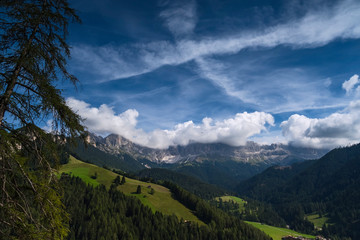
[233, 131]
[338, 129]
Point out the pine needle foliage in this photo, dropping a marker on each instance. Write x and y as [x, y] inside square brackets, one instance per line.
[33, 56]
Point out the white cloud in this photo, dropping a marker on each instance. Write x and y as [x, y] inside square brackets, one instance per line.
[338, 129]
[103, 119]
[349, 85]
[180, 17]
[234, 131]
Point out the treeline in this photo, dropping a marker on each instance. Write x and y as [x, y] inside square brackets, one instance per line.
[191, 184]
[226, 226]
[97, 213]
[254, 211]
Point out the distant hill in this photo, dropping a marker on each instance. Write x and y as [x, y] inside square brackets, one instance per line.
[274, 177]
[225, 174]
[330, 185]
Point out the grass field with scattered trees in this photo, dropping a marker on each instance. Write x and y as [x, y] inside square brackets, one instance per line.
[157, 197]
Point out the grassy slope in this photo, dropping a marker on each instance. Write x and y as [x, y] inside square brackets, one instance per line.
[160, 201]
[86, 170]
[237, 200]
[276, 233]
[317, 220]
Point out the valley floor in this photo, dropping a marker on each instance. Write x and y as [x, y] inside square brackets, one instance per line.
[277, 233]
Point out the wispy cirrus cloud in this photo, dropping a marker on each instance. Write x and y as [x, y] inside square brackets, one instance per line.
[217, 72]
[276, 90]
[316, 28]
[180, 17]
[107, 62]
[265, 89]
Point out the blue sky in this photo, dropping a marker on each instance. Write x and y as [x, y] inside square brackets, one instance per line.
[164, 72]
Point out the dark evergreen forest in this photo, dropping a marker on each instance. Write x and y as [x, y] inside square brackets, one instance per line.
[329, 186]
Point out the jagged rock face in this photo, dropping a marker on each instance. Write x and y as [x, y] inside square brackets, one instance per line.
[252, 152]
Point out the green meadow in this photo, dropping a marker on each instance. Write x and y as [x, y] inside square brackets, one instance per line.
[237, 200]
[161, 200]
[317, 220]
[276, 233]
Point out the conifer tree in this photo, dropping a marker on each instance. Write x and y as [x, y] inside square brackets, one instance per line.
[138, 189]
[33, 55]
[117, 180]
[123, 180]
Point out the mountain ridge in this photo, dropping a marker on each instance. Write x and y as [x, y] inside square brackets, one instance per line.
[274, 154]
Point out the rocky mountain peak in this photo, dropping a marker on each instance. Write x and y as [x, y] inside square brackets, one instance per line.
[252, 152]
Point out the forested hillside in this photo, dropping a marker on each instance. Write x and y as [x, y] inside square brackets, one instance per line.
[223, 173]
[97, 213]
[329, 187]
[190, 183]
[272, 178]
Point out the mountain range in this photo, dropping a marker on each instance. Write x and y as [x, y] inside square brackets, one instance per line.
[216, 163]
[253, 153]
